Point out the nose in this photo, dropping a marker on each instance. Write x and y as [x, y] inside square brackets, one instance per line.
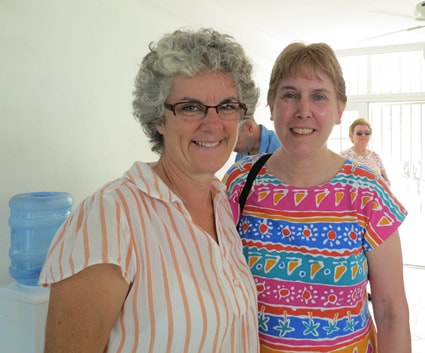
[211, 114]
[303, 110]
[211, 121]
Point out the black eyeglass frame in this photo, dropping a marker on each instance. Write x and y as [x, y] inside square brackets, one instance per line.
[360, 133]
[241, 105]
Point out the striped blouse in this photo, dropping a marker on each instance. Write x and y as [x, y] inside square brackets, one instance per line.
[307, 251]
[187, 293]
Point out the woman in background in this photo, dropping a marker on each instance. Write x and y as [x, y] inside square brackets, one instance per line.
[152, 262]
[360, 133]
[316, 228]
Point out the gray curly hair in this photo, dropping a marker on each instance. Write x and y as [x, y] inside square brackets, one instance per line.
[188, 53]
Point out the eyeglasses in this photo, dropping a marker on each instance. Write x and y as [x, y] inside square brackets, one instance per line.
[197, 111]
[360, 133]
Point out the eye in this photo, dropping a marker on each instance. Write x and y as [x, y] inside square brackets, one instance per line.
[190, 108]
[228, 107]
[319, 97]
[289, 95]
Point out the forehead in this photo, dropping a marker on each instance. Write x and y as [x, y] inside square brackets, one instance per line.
[308, 76]
[202, 83]
[361, 127]
[308, 72]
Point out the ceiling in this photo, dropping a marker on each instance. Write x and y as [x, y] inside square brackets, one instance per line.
[267, 26]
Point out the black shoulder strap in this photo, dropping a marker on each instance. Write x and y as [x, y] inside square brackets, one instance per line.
[255, 168]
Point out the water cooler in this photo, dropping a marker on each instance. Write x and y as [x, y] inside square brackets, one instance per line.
[23, 311]
[34, 219]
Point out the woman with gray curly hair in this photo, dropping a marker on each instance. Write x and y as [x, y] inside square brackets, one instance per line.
[179, 55]
[152, 262]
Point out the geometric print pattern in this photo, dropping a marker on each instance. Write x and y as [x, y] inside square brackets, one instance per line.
[306, 248]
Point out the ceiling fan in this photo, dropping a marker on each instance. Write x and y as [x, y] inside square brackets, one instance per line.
[419, 15]
[420, 11]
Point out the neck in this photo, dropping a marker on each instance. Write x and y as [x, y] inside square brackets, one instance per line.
[308, 172]
[360, 150]
[185, 186]
[197, 196]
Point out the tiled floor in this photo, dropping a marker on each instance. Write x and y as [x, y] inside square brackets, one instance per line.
[414, 281]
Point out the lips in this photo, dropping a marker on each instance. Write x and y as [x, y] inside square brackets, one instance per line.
[207, 144]
[302, 131]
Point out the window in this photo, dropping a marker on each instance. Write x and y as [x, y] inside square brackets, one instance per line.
[387, 87]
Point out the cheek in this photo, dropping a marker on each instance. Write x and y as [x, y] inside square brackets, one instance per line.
[274, 112]
[279, 114]
[233, 131]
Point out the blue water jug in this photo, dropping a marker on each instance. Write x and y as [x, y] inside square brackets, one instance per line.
[34, 219]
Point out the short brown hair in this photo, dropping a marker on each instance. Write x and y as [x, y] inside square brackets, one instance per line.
[306, 59]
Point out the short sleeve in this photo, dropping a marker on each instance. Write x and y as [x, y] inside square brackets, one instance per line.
[96, 233]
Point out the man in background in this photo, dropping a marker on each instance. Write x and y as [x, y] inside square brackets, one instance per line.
[254, 138]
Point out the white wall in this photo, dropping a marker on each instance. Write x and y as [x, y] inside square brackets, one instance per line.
[67, 71]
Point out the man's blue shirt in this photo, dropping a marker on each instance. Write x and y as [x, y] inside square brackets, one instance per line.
[269, 142]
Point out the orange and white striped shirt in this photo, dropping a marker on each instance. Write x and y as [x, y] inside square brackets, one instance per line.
[187, 294]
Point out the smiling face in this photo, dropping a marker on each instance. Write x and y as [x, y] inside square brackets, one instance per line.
[200, 146]
[305, 110]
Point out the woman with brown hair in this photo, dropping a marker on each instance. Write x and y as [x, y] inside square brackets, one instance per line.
[318, 228]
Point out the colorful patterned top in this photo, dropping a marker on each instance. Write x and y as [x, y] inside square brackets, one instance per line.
[306, 248]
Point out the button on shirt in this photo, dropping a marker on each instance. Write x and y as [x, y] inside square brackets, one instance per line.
[187, 294]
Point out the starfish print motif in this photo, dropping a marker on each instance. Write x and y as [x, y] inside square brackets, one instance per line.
[284, 326]
[332, 327]
[351, 324]
[311, 327]
[263, 320]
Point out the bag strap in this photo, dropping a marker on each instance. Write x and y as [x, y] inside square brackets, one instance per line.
[250, 179]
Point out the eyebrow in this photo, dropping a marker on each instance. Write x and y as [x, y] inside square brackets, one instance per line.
[195, 100]
[286, 87]
[317, 90]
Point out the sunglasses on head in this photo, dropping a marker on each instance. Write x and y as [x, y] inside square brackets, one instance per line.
[360, 133]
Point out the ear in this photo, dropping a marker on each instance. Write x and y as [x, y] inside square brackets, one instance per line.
[160, 128]
[249, 126]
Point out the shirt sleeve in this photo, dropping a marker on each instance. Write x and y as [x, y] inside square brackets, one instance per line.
[378, 210]
[378, 160]
[96, 233]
